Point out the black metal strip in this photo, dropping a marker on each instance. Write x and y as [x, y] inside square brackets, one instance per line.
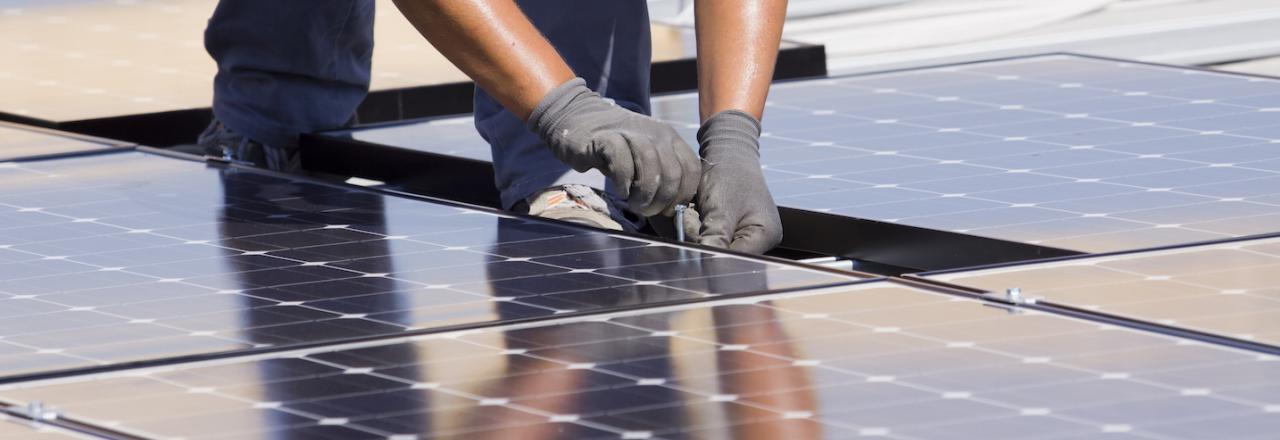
[162, 128]
[921, 249]
[429, 174]
[26, 120]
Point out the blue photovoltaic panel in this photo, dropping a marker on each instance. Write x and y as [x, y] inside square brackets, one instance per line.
[130, 256]
[878, 359]
[1230, 289]
[1070, 152]
[21, 143]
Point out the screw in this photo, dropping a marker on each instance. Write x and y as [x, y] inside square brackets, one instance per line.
[1014, 295]
[39, 413]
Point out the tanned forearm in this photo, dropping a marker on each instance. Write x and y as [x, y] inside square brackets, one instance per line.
[737, 47]
[495, 44]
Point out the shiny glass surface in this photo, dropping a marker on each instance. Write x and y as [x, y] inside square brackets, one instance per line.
[18, 144]
[1231, 289]
[1070, 152]
[877, 359]
[129, 256]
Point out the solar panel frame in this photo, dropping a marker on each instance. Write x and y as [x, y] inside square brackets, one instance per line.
[331, 290]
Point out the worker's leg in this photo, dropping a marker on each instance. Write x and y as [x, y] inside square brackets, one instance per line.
[606, 43]
[285, 67]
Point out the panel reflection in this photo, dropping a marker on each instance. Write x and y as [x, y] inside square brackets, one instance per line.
[876, 359]
[519, 294]
[282, 206]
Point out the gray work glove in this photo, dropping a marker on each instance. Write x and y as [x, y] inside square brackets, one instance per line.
[652, 167]
[735, 205]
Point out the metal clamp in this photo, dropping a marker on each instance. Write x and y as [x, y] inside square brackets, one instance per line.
[38, 412]
[1014, 295]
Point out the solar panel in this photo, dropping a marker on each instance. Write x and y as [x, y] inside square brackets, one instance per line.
[878, 359]
[22, 143]
[1076, 153]
[1228, 289]
[131, 256]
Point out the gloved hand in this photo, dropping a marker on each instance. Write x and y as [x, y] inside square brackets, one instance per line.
[735, 205]
[652, 167]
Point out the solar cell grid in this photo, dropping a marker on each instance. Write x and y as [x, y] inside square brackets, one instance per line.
[1228, 289]
[875, 359]
[1077, 153]
[130, 256]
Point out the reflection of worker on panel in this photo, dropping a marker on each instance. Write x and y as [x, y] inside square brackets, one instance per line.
[546, 363]
[281, 207]
[563, 97]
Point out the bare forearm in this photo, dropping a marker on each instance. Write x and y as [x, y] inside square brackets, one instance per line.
[737, 47]
[494, 44]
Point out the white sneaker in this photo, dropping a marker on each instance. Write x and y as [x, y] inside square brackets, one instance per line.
[573, 203]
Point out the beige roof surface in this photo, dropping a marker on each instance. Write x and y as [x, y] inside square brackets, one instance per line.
[68, 61]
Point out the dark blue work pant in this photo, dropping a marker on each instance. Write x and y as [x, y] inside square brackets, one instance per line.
[287, 67]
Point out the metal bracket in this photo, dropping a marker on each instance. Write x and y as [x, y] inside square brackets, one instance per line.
[1015, 297]
[1011, 301]
[38, 412]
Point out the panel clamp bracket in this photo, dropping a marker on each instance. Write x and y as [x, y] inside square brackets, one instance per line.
[38, 412]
